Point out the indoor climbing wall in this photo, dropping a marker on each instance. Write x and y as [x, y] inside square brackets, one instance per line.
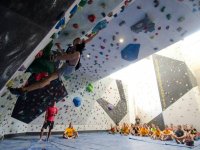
[143, 28]
[177, 101]
[27, 108]
[91, 115]
[127, 32]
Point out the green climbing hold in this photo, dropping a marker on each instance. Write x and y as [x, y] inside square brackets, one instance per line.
[89, 88]
[82, 3]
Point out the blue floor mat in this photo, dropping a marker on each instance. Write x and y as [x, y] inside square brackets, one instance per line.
[92, 141]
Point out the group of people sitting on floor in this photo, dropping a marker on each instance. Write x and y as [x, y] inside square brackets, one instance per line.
[181, 134]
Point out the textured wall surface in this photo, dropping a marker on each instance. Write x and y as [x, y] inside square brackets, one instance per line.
[178, 89]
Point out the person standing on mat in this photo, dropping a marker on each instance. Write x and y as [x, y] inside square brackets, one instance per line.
[51, 112]
[72, 58]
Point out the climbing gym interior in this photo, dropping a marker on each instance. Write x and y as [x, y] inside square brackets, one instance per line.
[123, 74]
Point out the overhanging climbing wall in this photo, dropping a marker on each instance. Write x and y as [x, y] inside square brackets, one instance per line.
[23, 25]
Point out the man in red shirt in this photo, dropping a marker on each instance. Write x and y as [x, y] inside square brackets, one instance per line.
[51, 112]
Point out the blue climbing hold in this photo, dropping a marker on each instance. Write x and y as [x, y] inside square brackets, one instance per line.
[60, 23]
[77, 101]
[130, 52]
[73, 11]
[101, 25]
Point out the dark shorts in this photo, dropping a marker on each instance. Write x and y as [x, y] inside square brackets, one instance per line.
[48, 123]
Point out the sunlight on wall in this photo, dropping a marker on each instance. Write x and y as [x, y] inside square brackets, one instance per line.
[191, 53]
[126, 76]
[142, 88]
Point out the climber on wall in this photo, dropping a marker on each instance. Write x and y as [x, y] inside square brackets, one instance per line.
[72, 58]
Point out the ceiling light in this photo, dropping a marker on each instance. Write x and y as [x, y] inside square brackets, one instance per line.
[121, 40]
[88, 55]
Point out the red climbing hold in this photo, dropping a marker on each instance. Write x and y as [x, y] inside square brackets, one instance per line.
[88, 35]
[91, 18]
[75, 25]
[102, 47]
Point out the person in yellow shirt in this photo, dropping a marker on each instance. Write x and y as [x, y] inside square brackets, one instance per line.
[144, 130]
[70, 132]
[156, 134]
[125, 129]
[166, 134]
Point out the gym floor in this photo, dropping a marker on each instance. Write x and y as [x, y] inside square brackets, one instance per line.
[95, 141]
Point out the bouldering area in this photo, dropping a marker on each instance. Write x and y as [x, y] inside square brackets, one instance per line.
[101, 65]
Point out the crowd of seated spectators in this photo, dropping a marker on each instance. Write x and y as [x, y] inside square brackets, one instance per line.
[182, 134]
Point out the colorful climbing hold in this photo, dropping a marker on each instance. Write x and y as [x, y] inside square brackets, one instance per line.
[103, 5]
[110, 14]
[156, 3]
[89, 87]
[122, 23]
[75, 25]
[168, 16]
[113, 37]
[179, 29]
[77, 101]
[103, 14]
[181, 19]
[82, 3]
[115, 15]
[162, 9]
[101, 25]
[74, 9]
[110, 107]
[91, 18]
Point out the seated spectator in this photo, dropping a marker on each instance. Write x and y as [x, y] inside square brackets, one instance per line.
[194, 132]
[137, 120]
[144, 130]
[137, 129]
[70, 132]
[132, 129]
[166, 134]
[189, 139]
[112, 130]
[156, 134]
[125, 129]
[179, 135]
[117, 127]
[152, 129]
[185, 128]
[172, 127]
